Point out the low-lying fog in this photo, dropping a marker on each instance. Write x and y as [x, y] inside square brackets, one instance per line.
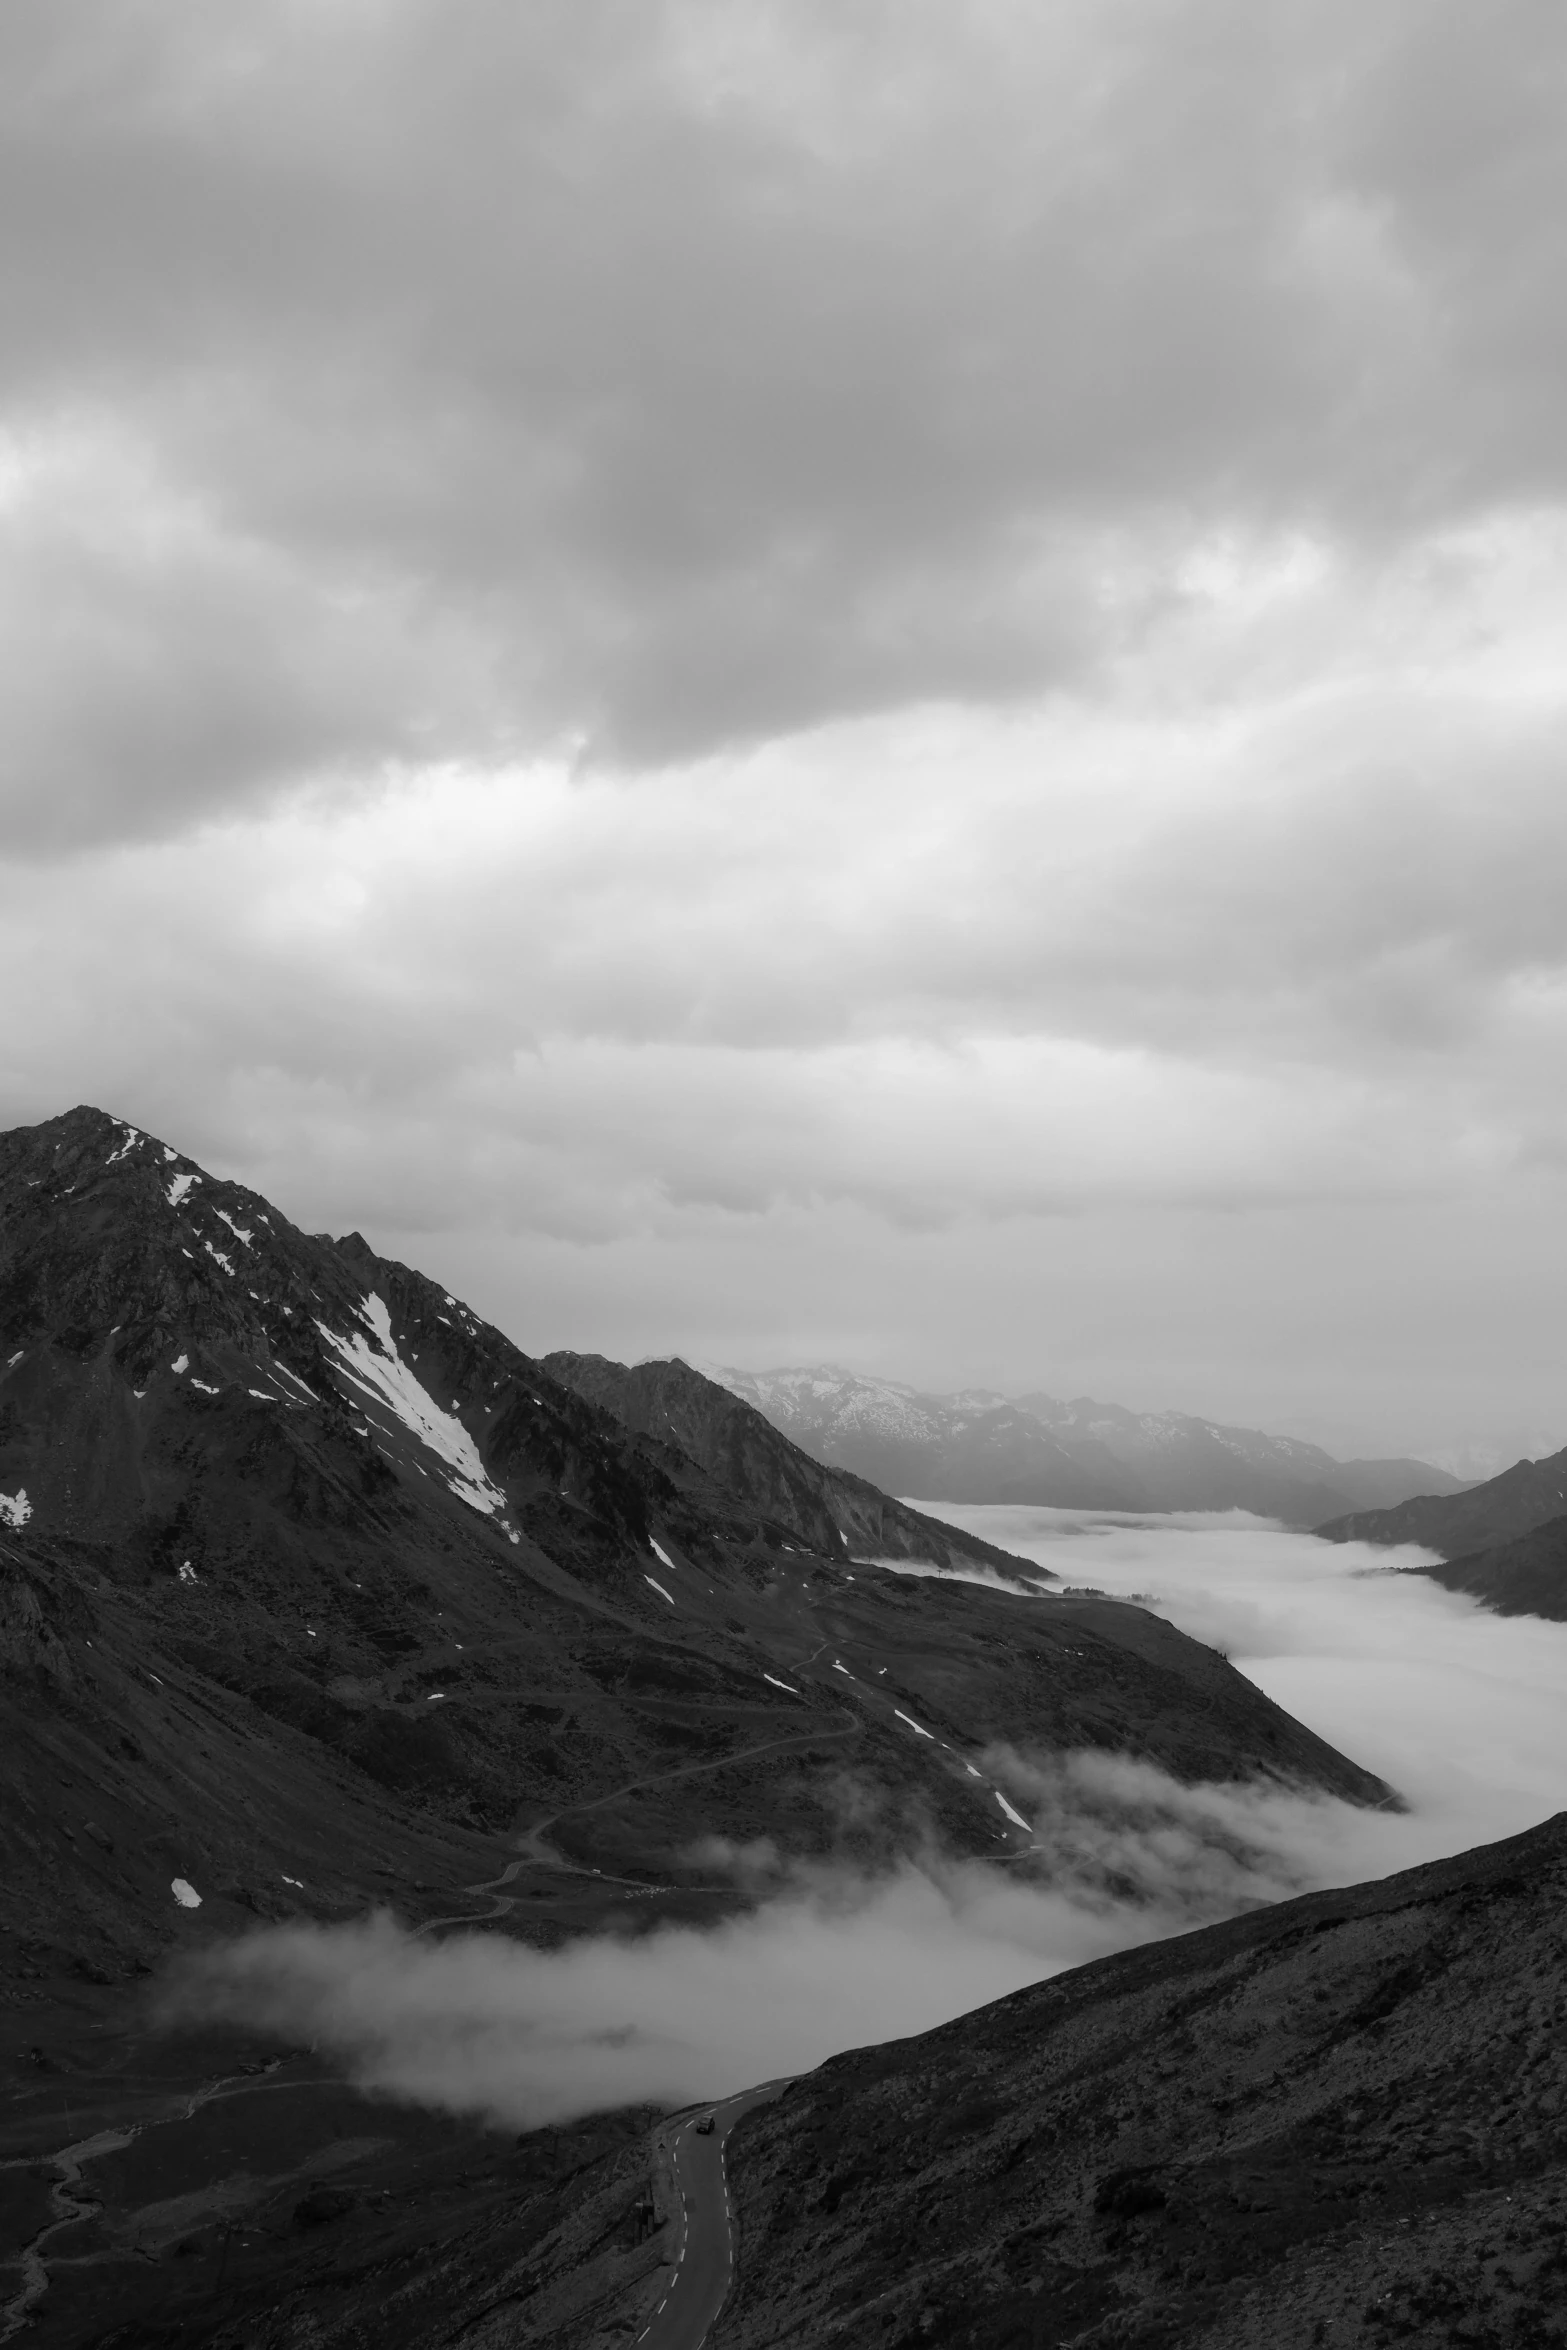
[1460, 1710]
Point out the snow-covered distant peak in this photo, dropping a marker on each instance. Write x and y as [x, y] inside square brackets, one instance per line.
[823, 1396]
[378, 1369]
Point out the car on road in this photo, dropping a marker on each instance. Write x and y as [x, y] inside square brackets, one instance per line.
[704, 2128]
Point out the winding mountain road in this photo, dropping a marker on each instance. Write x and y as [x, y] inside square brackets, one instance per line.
[534, 1851]
[703, 2258]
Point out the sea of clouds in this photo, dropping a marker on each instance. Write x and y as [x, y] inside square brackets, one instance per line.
[1457, 1709]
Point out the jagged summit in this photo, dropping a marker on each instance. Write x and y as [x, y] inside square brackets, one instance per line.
[137, 1291]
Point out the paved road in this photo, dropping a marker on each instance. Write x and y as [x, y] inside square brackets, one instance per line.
[703, 2249]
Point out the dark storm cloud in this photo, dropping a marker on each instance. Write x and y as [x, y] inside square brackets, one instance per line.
[862, 680]
[661, 376]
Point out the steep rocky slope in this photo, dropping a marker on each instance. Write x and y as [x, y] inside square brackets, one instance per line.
[1336, 2121]
[276, 1507]
[1521, 1498]
[837, 1514]
[979, 1447]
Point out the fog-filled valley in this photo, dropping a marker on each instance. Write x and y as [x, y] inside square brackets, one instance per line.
[1459, 1710]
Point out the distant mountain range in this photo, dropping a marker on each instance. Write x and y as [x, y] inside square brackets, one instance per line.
[976, 1446]
[1504, 1541]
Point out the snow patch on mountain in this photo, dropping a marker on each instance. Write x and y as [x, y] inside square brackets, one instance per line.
[15, 1508]
[179, 1185]
[377, 1369]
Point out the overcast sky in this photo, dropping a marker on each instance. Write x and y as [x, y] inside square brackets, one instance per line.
[818, 680]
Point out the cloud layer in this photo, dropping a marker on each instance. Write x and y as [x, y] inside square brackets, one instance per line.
[674, 375]
[644, 638]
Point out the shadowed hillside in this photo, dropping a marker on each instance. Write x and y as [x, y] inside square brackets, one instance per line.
[1342, 2120]
[839, 1514]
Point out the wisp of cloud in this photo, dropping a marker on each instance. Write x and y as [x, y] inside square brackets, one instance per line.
[1459, 1709]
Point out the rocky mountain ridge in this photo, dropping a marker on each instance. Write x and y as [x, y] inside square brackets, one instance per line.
[839, 1514]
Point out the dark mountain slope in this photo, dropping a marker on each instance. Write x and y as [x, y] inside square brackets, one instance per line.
[1342, 2120]
[1524, 1577]
[1522, 1497]
[835, 1513]
[311, 1498]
